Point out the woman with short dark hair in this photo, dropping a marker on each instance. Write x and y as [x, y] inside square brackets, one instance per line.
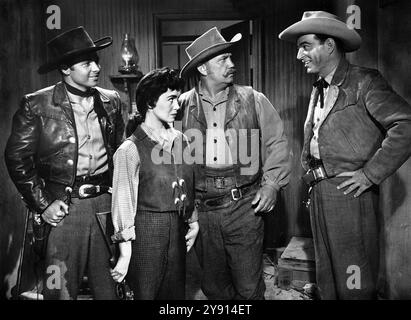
[153, 195]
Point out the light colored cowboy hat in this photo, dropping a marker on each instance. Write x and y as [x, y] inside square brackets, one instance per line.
[321, 22]
[206, 46]
[69, 45]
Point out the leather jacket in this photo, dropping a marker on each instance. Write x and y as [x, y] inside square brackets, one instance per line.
[368, 127]
[42, 149]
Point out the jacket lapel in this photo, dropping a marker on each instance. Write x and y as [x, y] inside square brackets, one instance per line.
[330, 100]
[334, 89]
[60, 99]
[105, 102]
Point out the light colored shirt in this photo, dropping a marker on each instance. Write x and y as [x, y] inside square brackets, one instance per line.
[320, 115]
[126, 182]
[274, 146]
[92, 154]
[218, 153]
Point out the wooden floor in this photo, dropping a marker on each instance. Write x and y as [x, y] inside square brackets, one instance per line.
[193, 290]
[272, 292]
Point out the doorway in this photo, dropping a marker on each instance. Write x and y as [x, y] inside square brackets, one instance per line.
[175, 35]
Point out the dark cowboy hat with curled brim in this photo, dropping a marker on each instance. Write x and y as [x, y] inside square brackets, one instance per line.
[206, 46]
[69, 45]
[321, 22]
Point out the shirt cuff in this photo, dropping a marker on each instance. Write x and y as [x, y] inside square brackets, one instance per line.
[267, 182]
[124, 235]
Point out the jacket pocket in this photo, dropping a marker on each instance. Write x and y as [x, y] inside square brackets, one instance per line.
[349, 142]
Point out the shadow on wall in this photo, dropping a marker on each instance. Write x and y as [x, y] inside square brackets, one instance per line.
[12, 227]
[11, 249]
[395, 238]
[13, 215]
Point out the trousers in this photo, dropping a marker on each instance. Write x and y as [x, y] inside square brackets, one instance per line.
[76, 248]
[157, 265]
[230, 247]
[345, 234]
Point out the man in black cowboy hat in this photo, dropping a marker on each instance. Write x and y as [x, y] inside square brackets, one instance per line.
[63, 139]
[244, 163]
[357, 133]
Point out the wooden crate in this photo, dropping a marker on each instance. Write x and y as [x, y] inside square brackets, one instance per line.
[296, 266]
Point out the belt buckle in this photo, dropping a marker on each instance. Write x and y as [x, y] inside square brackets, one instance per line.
[83, 194]
[236, 194]
[219, 182]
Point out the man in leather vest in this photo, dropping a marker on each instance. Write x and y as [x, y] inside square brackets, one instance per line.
[357, 133]
[242, 161]
[63, 139]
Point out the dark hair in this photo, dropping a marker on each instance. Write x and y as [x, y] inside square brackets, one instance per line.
[153, 85]
[338, 42]
[71, 61]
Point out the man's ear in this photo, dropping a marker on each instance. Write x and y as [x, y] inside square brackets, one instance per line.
[202, 69]
[66, 71]
[330, 45]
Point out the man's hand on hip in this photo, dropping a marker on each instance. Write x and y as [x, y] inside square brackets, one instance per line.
[55, 212]
[266, 198]
[358, 181]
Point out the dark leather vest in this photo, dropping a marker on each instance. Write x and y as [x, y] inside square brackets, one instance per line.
[155, 192]
[241, 116]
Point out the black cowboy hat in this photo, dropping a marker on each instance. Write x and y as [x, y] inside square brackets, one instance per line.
[69, 45]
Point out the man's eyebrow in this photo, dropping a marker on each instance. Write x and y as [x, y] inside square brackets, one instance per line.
[225, 55]
[302, 43]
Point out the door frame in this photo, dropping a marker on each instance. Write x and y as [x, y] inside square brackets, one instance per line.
[256, 61]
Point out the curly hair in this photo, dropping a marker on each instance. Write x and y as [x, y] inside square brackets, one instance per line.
[153, 85]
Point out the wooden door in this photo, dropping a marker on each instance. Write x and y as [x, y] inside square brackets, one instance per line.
[240, 51]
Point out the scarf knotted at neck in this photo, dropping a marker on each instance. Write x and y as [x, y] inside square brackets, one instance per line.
[77, 92]
[98, 104]
[321, 84]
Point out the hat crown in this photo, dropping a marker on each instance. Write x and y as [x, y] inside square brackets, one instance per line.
[319, 14]
[321, 22]
[211, 38]
[71, 44]
[70, 41]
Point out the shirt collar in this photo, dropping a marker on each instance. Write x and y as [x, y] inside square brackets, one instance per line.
[86, 103]
[164, 137]
[221, 97]
[330, 76]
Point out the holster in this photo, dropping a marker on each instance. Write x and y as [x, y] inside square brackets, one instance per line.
[314, 175]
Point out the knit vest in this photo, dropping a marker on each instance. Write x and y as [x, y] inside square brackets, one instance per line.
[241, 116]
[155, 192]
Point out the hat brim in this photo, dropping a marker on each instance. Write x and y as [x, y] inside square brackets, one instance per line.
[350, 39]
[207, 54]
[99, 44]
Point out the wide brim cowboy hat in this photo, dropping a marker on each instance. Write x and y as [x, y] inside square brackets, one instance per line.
[72, 44]
[205, 47]
[321, 22]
